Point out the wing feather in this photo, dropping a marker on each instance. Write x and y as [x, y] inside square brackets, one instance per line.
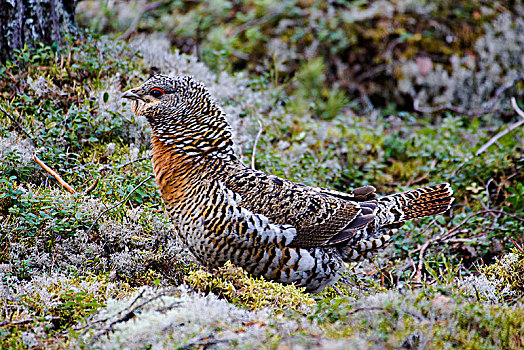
[320, 216]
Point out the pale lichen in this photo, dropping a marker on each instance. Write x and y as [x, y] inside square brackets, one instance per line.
[473, 78]
[502, 281]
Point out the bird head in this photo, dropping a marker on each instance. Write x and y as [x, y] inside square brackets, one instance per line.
[181, 110]
[161, 95]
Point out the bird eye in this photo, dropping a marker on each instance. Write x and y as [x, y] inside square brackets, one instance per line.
[156, 92]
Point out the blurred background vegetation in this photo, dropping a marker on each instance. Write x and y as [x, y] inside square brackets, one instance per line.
[397, 94]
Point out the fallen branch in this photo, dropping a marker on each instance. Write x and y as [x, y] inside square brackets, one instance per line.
[453, 231]
[419, 179]
[505, 131]
[423, 248]
[519, 247]
[119, 203]
[369, 308]
[90, 325]
[497, 136]
[126, 314]
[371, 73]
[516, 107]
[412, 181]
[202, 342]
[125, 317]
[92, 187]
[18, 125]
[446, 107]
[255, 145]
[338, 291]
[23, 321]
[446, 238]
[53, 173]
[16, 322]
[118, 167]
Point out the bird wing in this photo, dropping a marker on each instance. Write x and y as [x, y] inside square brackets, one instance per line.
[360, 194]
[320, 216]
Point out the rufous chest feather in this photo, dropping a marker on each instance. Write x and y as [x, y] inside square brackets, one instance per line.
[174, 172]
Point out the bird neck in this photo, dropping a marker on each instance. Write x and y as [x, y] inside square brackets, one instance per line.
[201, 145]
[189, 146]
[180, 164]
[194, 131]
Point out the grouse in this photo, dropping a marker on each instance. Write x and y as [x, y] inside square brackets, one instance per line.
[272, 227]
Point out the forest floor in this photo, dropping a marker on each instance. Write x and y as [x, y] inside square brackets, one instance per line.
[100, 265]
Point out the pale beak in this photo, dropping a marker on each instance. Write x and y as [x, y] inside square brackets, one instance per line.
[130, 94]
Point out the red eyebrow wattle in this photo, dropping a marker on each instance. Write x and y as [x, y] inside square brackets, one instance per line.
[157, 89]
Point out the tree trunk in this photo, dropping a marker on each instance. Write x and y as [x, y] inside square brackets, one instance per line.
[26, 22]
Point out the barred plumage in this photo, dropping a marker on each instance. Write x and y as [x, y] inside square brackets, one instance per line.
[270, 226]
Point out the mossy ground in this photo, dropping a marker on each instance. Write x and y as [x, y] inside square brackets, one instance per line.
[77, 272]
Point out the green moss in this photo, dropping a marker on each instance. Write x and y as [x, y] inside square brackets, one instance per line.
[507, 275]
[427, 317]
[237, 286]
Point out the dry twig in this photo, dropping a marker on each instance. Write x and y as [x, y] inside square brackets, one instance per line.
[519, 247]
[16, 322]
[119, 203]
[18, 125]
[255, 145]
[90, 325]
[447, 237]
[202, 342]
[423, 248]
[413, 181]
[24, 321]
[497, 136]
[125, 315]
[519, 111]
[54, 174]
[505, 131]
[92, 187]
[453, 231]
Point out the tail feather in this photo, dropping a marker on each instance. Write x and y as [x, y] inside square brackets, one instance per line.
[414, 204]
[390, 213]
